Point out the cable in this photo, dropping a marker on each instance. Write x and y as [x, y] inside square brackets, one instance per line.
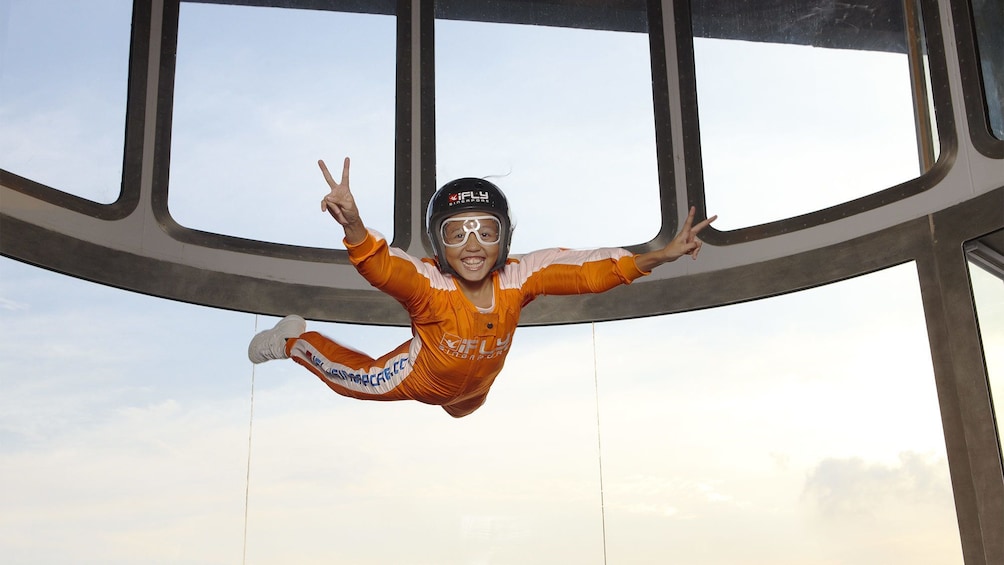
[247, 478]
[599, 446]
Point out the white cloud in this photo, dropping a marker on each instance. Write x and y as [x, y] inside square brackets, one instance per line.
[902, 508]
[853, 487]
[12, 305]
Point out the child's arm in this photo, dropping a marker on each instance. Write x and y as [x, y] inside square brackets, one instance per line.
[685, 243]
[342, 206]
[392, 271]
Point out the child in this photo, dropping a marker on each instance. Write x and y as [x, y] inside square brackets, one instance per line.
[464, 305]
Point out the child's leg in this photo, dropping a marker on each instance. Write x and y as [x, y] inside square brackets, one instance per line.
[465, 407]
[271, 343]
[351, 373]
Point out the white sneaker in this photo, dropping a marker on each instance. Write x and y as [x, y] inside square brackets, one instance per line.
[271, 344]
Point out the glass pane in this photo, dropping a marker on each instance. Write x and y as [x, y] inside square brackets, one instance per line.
[561, 119]
[988, 16]
[762, 432]
[988, 290]
[754, 433]
[260, 95]
[64, 88]
[788, 127]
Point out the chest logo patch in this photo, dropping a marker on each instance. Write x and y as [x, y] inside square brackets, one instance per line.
[475, 349]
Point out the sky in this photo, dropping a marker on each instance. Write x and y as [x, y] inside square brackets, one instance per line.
[797, 429]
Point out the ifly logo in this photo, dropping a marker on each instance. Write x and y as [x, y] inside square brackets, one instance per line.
[469, 197]
[487, 348]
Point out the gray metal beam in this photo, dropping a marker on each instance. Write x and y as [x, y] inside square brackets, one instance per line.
[971, 437]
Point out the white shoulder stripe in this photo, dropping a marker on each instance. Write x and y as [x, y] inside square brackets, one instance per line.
[516, 273]
[436, 278]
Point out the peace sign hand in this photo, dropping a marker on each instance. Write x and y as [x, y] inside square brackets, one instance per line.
[685, 243]
[341, 205]
[339, 202]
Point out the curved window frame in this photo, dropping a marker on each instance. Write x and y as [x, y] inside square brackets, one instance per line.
[402, 177]
[607, 17]
[941, 94]
[135, 122]
[973, 86]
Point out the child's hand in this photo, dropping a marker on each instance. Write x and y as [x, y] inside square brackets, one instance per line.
[685, 243]
[339, 202]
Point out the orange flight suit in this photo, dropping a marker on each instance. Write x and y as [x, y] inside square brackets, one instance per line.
[457, 349]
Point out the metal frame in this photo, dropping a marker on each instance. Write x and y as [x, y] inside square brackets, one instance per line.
[242, 274]
[134, 244]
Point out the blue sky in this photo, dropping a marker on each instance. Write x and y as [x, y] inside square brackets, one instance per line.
[754, 433]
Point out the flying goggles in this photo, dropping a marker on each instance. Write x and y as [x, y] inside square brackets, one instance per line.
[487, 229]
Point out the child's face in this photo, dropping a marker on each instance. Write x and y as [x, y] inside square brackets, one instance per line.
[473, 260]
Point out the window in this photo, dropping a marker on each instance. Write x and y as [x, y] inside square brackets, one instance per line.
[561, 119]
[805, 111]
[758, 432]
[260, 95]
[988, 291]
[761, 432]
[64, 85]
[988, 15]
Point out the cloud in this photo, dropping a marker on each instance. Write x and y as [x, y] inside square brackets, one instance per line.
[12, 305]
[842, 488]
[868, 511]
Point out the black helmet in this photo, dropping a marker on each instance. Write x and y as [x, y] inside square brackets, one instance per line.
[468, 195]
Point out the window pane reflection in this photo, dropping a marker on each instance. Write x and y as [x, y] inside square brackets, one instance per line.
[260, 95]
[557, 117]
[988, 16]
[798, 113]
[988, 291]
[64, 85]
